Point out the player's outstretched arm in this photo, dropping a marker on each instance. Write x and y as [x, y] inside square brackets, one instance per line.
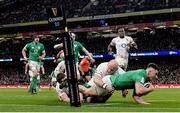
[89, 55]
[98, 81]
[64, 97]
[58, 46]
[139, 100]
[87, 91]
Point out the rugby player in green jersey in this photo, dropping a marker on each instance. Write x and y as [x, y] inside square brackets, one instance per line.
[77, 48]
[129, 80]
[36, 52]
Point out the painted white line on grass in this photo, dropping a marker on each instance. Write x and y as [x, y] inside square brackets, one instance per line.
[95, 105]
[126, 107]
[162, 100]
[29, 105]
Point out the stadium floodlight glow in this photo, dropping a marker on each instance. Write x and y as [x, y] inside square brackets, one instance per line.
[6, 60]
[46, 58]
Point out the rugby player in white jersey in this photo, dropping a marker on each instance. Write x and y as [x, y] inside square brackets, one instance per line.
[63, 90]
[104, 69]
[122, 43]
[60, 68]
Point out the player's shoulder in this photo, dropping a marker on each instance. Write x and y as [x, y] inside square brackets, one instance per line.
[30, 43]
[128, 37]
[139, 70]
[116, 38]
[77, 43]
[102, 66]
[101, 69]
[41, 44]
[136, 72]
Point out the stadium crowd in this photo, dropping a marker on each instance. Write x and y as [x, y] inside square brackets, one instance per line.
[161, 39]
[14, 75]
[35, 10]
[169, 74]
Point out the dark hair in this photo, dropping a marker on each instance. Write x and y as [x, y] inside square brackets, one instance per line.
[59, 77]
[35, 36]
[153, 65]
[119, 28]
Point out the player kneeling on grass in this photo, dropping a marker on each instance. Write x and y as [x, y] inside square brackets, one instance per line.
[135, 79]
[62, 88]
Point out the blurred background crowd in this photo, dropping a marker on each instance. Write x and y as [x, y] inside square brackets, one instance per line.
[15, 12]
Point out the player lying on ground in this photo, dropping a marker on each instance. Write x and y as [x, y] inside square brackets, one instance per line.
[128, 80]
[62, 88]
[103, 69]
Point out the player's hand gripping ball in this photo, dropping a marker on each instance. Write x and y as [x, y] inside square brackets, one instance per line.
[147, 85]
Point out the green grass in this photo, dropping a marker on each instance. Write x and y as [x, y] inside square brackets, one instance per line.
[18, 100]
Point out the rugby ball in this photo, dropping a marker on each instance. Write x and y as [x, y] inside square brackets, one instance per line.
[147, 85]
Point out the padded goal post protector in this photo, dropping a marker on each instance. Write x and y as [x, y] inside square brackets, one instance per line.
[57, 21]
[70, 64]
[71, 70]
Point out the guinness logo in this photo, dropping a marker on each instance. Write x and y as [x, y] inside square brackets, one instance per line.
[54, 10]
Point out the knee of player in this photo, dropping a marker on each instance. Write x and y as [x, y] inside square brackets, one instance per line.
[86, 91]
[35, 73]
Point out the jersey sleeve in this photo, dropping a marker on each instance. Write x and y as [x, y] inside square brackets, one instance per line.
[80, 46]
[27, 46]
[131, 41]
[113, 42]
[62, 66]
[93, 70]
[139, 79]
[99, 70]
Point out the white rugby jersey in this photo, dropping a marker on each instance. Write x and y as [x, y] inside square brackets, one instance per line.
[122, 46]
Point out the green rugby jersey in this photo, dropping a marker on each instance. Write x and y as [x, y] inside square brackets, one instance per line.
[77, 47]
[128, 79]
[35, 50]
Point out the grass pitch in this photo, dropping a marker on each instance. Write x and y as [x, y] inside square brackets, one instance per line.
[18, 100]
